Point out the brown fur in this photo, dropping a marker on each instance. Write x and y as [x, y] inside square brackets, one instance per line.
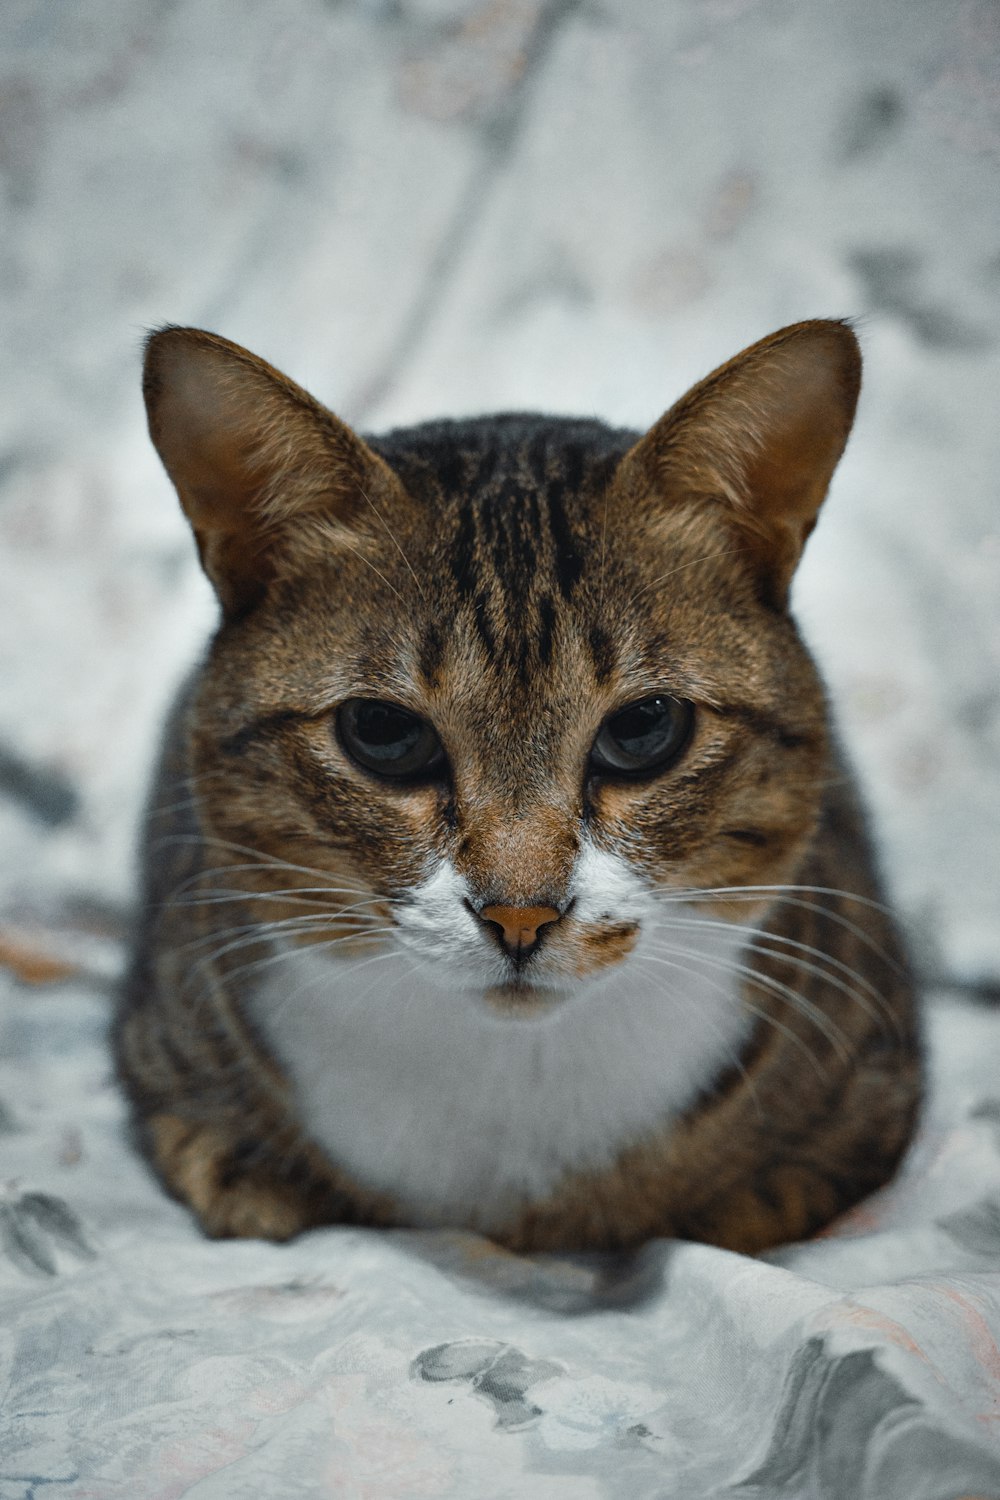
[515, 581]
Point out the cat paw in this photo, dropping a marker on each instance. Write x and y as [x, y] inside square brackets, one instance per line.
[225, 1182]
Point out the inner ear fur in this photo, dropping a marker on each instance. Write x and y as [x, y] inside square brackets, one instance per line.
[252, 456]
[761, 435]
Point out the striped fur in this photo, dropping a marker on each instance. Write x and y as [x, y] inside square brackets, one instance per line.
[717, 1039]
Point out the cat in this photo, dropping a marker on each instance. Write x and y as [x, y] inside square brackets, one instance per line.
[502, 870]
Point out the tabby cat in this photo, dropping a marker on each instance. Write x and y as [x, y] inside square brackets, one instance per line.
[502, 870]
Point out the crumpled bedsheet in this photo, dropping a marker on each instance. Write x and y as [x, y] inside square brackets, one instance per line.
[139, 1360]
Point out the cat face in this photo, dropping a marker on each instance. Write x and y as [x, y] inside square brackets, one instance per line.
[491, 691]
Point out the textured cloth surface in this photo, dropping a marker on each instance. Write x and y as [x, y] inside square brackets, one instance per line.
[428, 207]
[138, 1359]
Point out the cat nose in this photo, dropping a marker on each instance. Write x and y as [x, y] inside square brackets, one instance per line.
[517, 927]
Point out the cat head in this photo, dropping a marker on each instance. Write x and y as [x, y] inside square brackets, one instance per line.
[501, 686]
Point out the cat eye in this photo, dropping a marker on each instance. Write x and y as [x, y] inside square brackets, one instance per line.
[643, 738]
[389, 740]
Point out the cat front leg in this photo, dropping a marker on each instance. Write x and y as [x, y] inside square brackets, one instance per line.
[239, 1188]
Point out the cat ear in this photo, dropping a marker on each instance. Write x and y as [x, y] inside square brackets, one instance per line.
[250, 454]
[763, 435]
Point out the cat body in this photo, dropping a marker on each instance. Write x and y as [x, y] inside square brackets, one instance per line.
[502, 870]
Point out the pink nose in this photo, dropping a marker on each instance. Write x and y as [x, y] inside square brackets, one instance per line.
[520, 925]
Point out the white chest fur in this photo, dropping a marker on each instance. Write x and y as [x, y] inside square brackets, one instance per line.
[464, 1115]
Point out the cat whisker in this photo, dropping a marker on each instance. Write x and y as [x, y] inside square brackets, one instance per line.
[289, 896]
[761, 1015]
[407, 970]
[687, 893]
[778, 893]
[248, 892]
[190, 785]
[277, 927]
[258, 858]
[392, 537]
[208, 960]
[311, 980]
[691, 562]
[343, 542]
[827, 1028]
[166, 809]
[287, 927]
[691, 1006]
[278, 899]
[880, 1011]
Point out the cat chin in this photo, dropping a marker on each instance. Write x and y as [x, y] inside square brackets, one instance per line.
[532, 996]
[523, 1001]
[515, 999]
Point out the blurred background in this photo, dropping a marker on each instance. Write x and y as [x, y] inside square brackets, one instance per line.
[426, 207]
